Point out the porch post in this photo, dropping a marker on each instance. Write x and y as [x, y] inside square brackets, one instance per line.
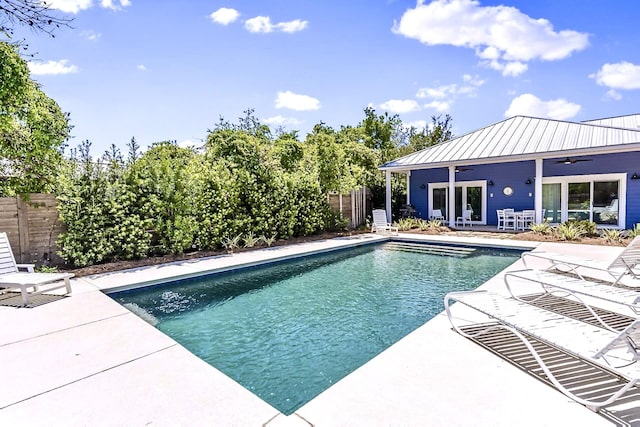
[538, 191]
[408, 187]
[452, 196]
[388, 194]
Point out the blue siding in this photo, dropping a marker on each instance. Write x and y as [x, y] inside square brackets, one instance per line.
[515, 175]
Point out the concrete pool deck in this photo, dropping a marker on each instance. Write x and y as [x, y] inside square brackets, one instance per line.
[86, 360]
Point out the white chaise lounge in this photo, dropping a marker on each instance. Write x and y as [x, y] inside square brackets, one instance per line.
[617, 352]
[380, 222]
[550, 282]
[27, 281]
[627, 263]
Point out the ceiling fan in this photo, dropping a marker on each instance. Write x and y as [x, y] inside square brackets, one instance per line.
[461, 169]
[570, 161]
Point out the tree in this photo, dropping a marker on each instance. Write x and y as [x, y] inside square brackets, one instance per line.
[33, 129]
[35, 14]
[438, 132]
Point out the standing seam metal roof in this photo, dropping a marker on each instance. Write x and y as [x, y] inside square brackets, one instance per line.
[522, 136]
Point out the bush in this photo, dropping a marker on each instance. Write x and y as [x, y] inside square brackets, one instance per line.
[569, 230]
[543, 228]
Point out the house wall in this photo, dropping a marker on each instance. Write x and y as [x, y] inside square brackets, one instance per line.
[515, 175]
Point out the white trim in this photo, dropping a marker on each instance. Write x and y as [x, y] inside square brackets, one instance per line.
[451, 200]
[564, 182]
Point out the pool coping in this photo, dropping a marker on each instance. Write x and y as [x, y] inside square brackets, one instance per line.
[389, 389]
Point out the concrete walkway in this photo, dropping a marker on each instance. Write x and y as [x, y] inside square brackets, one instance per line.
[86, 360]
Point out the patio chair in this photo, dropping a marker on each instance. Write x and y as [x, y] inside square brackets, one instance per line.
[628, 262]
[437, 214]
[465, 218]
[380, 222]
[509, 219]
[500, 214]
[524, 220]
[27, 281]
[615, 352]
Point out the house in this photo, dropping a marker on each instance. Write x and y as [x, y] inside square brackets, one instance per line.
[563, 170]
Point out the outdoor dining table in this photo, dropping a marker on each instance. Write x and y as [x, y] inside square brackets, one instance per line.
[515, 218]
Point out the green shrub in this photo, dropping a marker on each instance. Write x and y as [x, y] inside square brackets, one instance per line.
[569, 230]
[543, 228]
[634, 232]
[612, 235]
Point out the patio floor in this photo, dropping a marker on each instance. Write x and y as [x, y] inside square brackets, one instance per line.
[86, 360]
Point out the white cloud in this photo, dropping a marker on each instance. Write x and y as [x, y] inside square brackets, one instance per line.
[530, 105]
[294, 101]
[439, 106]
[224, 16]
[114, 4]
[75, 6]
[282, 121]
[400, 106]
[502, 36]
[612, 94]
[621, 75]
[141, 67]
[442, 97]
[52, 67]
[70, 6]
[508, 69]
[416, 124]
[263, 24]
[90, 35]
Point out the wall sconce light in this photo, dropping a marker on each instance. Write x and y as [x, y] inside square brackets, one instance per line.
[423, 186]
[490, 183]
[528, 181]
[635, 176]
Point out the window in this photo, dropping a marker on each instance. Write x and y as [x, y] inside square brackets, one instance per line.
[597, 198]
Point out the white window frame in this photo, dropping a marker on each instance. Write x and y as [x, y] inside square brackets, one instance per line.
[564, 182]
[463, 184]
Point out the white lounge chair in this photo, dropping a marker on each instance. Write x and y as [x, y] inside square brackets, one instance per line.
[12, 278]
[628, 262]
[380, 222]
[614, 351]
[551, 282]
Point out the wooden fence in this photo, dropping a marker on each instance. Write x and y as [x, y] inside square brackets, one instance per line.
[353, 206]
[32, 226]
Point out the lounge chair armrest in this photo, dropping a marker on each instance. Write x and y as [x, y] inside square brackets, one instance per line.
[29, 268]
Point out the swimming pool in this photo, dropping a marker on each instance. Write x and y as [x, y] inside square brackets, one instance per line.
[289, 331]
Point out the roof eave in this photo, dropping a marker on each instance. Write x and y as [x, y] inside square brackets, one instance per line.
[520, 157]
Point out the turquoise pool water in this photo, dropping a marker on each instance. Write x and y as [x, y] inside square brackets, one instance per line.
[289, 331]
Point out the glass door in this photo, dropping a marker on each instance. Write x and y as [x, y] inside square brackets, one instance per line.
[467, 195]
[440, 201]
[474, 202]
[551, 203]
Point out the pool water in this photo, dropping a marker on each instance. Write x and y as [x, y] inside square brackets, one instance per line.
[289, 331]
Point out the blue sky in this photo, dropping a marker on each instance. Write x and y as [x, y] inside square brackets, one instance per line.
[168, 69]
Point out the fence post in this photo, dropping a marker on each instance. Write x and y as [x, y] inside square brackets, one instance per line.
[23, 228]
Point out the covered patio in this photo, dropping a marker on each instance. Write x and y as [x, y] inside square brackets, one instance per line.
[560, 170]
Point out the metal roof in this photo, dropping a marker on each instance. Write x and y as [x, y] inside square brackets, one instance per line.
[522, 138]
[631, 121]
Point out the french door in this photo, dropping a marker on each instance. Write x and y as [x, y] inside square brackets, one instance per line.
[468, 195]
